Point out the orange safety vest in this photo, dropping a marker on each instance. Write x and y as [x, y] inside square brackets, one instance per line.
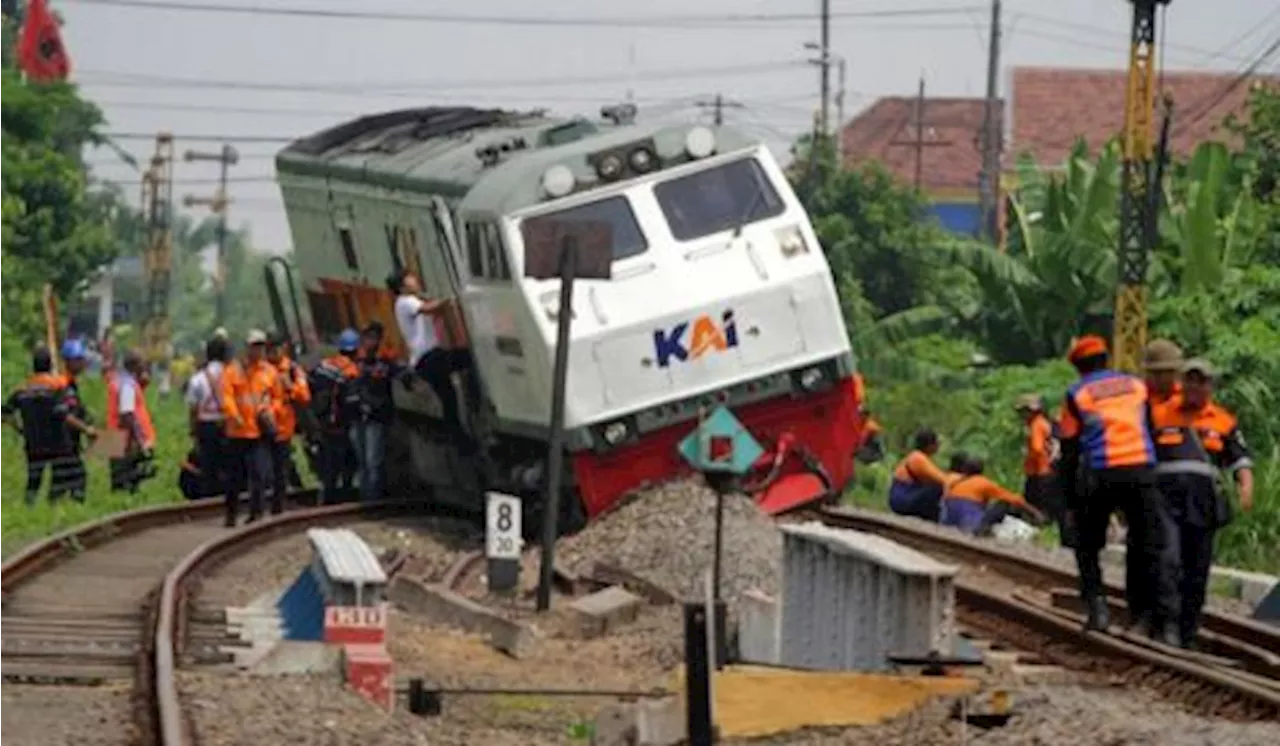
[1108, 413]
[287, 394]
[140, 412]
[1038, 461]
[247, 394]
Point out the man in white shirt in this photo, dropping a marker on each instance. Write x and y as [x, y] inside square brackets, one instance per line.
[433, 363]
[204, 407]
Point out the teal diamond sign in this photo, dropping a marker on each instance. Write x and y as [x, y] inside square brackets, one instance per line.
[721, 444]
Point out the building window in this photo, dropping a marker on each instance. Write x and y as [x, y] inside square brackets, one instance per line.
[475, 250]
[495, 253]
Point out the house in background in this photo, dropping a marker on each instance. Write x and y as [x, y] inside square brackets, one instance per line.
[115, 298]
[944, 150]
[1049, 108]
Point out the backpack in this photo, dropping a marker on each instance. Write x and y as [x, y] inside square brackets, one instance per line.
[328, 391]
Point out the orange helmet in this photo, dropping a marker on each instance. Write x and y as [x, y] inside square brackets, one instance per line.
[1090, 345]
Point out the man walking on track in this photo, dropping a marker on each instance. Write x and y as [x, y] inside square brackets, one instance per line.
[1108, 455]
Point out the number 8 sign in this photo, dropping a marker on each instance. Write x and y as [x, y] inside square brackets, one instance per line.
[502, 527]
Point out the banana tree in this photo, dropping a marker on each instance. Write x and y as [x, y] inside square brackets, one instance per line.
[1212, 225]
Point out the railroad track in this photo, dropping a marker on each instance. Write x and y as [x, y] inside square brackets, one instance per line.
[96, 617]
[1237, 676]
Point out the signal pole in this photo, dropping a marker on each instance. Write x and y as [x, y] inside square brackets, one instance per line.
[989, 177]
[717, 106]
[157, 254]
[226, 157]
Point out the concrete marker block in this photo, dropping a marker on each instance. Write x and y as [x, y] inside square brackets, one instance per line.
[368, 671]
[661, 722]
[1002, 661]
[443, 606]
[606, 610]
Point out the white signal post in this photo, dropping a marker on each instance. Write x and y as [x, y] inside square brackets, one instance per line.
[503, 540]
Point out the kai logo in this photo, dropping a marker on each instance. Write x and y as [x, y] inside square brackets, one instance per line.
[706, 335]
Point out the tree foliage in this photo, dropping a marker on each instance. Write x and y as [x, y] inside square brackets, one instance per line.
[924, 305]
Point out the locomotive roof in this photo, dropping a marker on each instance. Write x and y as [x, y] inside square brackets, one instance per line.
[435, 150]
[431, 149]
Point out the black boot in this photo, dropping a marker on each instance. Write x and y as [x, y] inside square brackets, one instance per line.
[1099, 614]
[1166, 633]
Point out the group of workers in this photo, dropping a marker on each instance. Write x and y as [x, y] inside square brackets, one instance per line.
[49, 412]
[1155, 451]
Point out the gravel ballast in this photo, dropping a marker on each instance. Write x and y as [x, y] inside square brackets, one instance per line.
[431, 543]
[667, 535]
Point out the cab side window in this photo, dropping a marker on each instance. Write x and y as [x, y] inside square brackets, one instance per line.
[486, 255]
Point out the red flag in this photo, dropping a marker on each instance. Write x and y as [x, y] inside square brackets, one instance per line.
[40, 51]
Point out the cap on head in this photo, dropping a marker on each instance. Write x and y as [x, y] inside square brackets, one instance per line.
[1030, 403]
[1199, 366]
[348, 340]
[221, 333]
[73, 349]
[256, 337]
[1162, 355]
[1090, 345]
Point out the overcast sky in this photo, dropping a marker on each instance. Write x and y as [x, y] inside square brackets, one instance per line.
[305, 72]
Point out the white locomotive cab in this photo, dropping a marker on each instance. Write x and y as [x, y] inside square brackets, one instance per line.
[718, 278]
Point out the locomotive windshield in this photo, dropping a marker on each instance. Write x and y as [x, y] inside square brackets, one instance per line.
[718, 199]
[628, 239]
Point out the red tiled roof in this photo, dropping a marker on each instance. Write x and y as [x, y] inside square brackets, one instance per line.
[1054, 106]
[1051, 107]
[886, 132]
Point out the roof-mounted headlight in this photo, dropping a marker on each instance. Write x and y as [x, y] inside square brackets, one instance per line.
[609, 167]
[558, 181]
[642, 160]
[700, 142]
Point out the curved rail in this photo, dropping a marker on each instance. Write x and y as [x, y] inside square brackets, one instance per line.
[930, 537]
[167, 635]
[38, 557]
[1215, 689]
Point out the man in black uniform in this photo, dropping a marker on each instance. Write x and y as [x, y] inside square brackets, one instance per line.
[46, 415]
[1197, 439]
[331, 382]
[73, 475]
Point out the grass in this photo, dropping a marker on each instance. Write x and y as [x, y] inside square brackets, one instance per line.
[22, 524]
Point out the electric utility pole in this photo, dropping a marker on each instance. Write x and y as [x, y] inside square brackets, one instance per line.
[226, 158]
[989, 177]
[717, 106]
[842, 68]
[920, 135]
[824, 62]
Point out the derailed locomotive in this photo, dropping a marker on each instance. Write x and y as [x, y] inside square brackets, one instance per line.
[720, 295]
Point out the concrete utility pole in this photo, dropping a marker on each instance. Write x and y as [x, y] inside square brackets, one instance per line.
[824, 124]
[717, 106]
[226, 157]
[920, 134]
[842, 68]
[989, 177]
[157, 253]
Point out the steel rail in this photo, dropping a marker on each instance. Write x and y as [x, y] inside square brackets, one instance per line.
[1207, 687]
[167, 636]
[930, 538]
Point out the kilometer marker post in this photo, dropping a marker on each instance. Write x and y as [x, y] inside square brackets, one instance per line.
[567, 250]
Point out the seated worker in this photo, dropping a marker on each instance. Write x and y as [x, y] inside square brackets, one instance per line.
[974, 503]
[194, 482]
[871, 449]
[917, 481]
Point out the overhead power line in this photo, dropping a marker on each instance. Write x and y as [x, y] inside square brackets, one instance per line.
[608, 21]
[1208, 104]
[127, 79]
[1103, 31]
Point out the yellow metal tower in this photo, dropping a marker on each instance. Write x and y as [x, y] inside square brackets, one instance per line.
[1137, 218]
[157, 255]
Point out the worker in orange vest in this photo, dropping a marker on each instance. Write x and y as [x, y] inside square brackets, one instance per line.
[248, 402]
[291, 392]
[1199, 443]
[917, 482]
[974, 504]
[127, 411]
[47, 412]
[1108, 458]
